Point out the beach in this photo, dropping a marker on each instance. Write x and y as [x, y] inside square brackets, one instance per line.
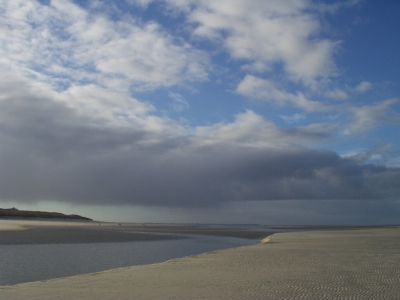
[343, 264]
[25, 232]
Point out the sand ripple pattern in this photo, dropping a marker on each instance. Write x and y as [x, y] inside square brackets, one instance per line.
[362, 264]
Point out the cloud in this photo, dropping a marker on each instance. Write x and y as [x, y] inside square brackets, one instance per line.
[333, 7]
[267, 90]
[50, 151]
[62, 43]
[250, 129]
[363, 87]
[294, 118]
[363, 118]
[264, 34]
[72, 131]
[371, 116]
[178, 102]
[337, 94]
[143, 3]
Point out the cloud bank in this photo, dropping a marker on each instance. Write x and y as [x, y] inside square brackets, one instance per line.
[50, 151]
[74, 128]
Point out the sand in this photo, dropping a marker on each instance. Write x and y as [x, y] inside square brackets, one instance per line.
[18, 224]
[14, 232]
[348, 264]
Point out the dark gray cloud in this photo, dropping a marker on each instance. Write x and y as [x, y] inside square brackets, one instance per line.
[49, 151]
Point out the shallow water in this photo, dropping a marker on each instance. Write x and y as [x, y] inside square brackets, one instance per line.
[25, 263]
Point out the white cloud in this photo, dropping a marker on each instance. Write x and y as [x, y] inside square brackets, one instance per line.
[370, 116]
[363, 87]
[143, 3]
[64, 44]
[333, 7]
[251, 129]
[266, 90]
[265, 33]
[294, 118]
[337, 94]
[104, 103]
[178, 102]
[91, 63]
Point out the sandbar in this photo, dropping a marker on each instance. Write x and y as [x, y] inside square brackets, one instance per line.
[7, 224]
[346, 264]
[28, 232]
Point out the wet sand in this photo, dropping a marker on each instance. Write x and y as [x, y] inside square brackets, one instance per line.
[24, 232]
[76, 235]
[7, 224]
[351, 264]
[29, 232]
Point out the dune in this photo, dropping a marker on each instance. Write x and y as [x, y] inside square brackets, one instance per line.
[348, 264]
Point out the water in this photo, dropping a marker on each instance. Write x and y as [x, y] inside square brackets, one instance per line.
[25, 263]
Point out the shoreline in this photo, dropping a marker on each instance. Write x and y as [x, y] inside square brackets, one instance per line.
[29, 232]
[122, 239]
[8, 223]
[320, 264]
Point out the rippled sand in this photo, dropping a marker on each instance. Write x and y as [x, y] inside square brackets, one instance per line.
[352, 264]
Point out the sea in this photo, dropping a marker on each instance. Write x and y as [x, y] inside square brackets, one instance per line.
[26, 263]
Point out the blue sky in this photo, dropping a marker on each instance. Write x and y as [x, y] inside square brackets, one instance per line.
[270, 112]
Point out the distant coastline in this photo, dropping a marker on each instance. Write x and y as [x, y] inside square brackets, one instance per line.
[15, 213]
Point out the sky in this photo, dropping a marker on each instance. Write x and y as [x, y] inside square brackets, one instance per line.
[230, 111]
